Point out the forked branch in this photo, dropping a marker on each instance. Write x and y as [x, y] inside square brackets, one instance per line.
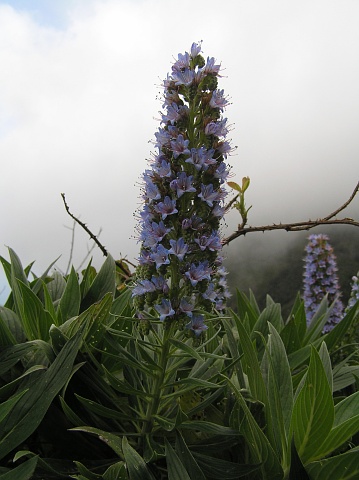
[126, 273]
[298, 226]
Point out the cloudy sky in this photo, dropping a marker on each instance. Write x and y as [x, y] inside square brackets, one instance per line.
[79, 88]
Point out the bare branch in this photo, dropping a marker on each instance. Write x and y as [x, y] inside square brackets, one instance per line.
[87, 230]
[298, 226]
[119, 263]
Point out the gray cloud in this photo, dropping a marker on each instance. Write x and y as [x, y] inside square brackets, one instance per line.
[78, 107]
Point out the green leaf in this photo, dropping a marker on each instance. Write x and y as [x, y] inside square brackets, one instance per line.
[294, 331]
[215, 468]
[104, 282]
[56, 286]
[33, 405]
[6, 407]
[121, 303]
[24, 471]
[191, 352]
[318, 321]
[17, 270]
[175, 468]
[7, 389]
[335, 336]
[11, 355]
[244, 307]
[11, 331]
[85, 473]
[346, 424]
[92, 319]
[313, 411]
[252, 367]
[270, 315]
[325, 358]
[100, 410]
[137, 467]
[340, 467]
[259, 446]
[117, 471]
[49, 305]
[69, 305]
[277, 375]
[113, 441]
[35, 319]
[297, 470]
[208, 427]
[187, 458]
[344, 376]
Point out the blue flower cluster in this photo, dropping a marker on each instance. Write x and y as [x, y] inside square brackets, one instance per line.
[180, 273]
[354, 293]
[320, 279]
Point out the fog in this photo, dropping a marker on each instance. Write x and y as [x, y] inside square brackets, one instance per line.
[80, 93]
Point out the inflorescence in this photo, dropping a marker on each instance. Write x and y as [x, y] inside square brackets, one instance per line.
[354, 292]
[180, 274]
[320, 279]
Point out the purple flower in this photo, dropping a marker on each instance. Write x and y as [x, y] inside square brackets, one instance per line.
[186, 306]
[165, 309]
[209, 195]
[195, 49]
[197, 325]
[354, 293]
[163, 138]
[210, 67]
[182, 63]
[212, 243]
[164, 169]
[160, 284]
[167, 207]
[218, 100]
[221, 172]
[143, 287]
[160, 256]
[179, 146]
[178, 248]
[320, 279]
[218, 129]
[151, 190]
[201, 158]
[210, 293]
[197, 273]
[184, 77]
[183, 184]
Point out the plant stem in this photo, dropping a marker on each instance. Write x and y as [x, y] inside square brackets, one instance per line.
[157, 385]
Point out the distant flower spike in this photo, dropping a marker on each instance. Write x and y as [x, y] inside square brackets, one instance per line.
[181, 275]
[354, 294]
[320, 279]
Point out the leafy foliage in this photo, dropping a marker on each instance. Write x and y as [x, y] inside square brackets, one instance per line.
[96, 398]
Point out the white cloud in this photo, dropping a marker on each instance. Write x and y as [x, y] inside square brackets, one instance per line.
[77, 108]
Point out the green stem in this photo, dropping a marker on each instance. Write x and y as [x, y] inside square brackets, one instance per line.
[158, 383]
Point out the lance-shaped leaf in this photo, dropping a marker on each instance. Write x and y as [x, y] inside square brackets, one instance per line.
[33, 405]
[340, 467]
[278, 380]
[137, 467]
[313, 411]
[346, 424]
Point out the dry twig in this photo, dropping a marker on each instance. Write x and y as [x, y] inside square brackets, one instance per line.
[96, 240]
[298, 226]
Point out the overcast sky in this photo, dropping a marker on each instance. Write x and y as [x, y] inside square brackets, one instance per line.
[78, 108]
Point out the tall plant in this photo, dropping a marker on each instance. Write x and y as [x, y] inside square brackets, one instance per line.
[181, 275]
[321, 279]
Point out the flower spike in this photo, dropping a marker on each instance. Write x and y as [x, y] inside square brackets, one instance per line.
[181, 276]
